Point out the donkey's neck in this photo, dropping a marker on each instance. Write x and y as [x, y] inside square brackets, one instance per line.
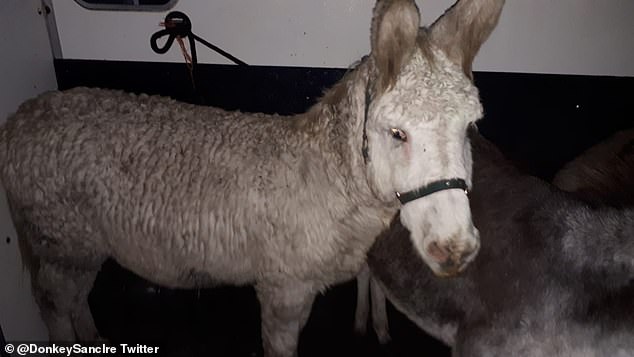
[338, 119]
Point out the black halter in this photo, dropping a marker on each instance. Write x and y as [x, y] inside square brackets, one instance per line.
[435, 186]
[364, 146]
[431, 188]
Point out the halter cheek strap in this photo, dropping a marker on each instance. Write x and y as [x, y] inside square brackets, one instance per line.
[364, 147]
[440, 185]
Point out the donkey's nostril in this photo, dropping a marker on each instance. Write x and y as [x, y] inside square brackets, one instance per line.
[437, 252]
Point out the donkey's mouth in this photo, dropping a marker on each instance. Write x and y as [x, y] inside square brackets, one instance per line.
[449, 269]
[448, 273]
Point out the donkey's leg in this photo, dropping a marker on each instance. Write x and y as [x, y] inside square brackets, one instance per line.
[285, 309]
[363, 301]
[380, 322]
[62, 291]
[83, 322]
[60, 288]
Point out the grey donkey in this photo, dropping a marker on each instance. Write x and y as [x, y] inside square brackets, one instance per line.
[554, 276]
[188, 196]
[604, 174]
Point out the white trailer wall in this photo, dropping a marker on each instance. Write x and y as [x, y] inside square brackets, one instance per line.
[592, 37]
[26, 69]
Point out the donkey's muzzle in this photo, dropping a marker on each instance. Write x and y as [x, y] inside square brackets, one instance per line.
[452, 261]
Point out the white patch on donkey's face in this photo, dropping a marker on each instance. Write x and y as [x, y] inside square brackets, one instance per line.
[417, 134]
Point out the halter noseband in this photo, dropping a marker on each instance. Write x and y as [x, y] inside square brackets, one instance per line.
[435, 186]
[432, 187]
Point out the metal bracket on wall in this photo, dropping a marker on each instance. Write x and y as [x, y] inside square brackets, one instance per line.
[46, 10]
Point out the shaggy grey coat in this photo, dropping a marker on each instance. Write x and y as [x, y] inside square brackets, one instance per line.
[182, 200]
[553, 277]
[150, 176]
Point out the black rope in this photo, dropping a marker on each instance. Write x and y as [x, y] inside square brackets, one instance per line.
[177, 24]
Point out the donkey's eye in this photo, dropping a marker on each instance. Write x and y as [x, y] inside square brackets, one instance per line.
[398, 134]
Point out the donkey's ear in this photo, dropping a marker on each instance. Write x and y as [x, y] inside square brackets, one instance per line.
[462, 29]
[394, 29]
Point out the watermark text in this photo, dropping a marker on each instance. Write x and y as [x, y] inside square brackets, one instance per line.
[55, 349]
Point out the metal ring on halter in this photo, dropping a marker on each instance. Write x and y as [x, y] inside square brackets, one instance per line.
[440, 185]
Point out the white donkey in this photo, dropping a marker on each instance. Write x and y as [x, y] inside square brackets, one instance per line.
[188, 196]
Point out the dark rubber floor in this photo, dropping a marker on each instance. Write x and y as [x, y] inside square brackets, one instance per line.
[225, 321]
